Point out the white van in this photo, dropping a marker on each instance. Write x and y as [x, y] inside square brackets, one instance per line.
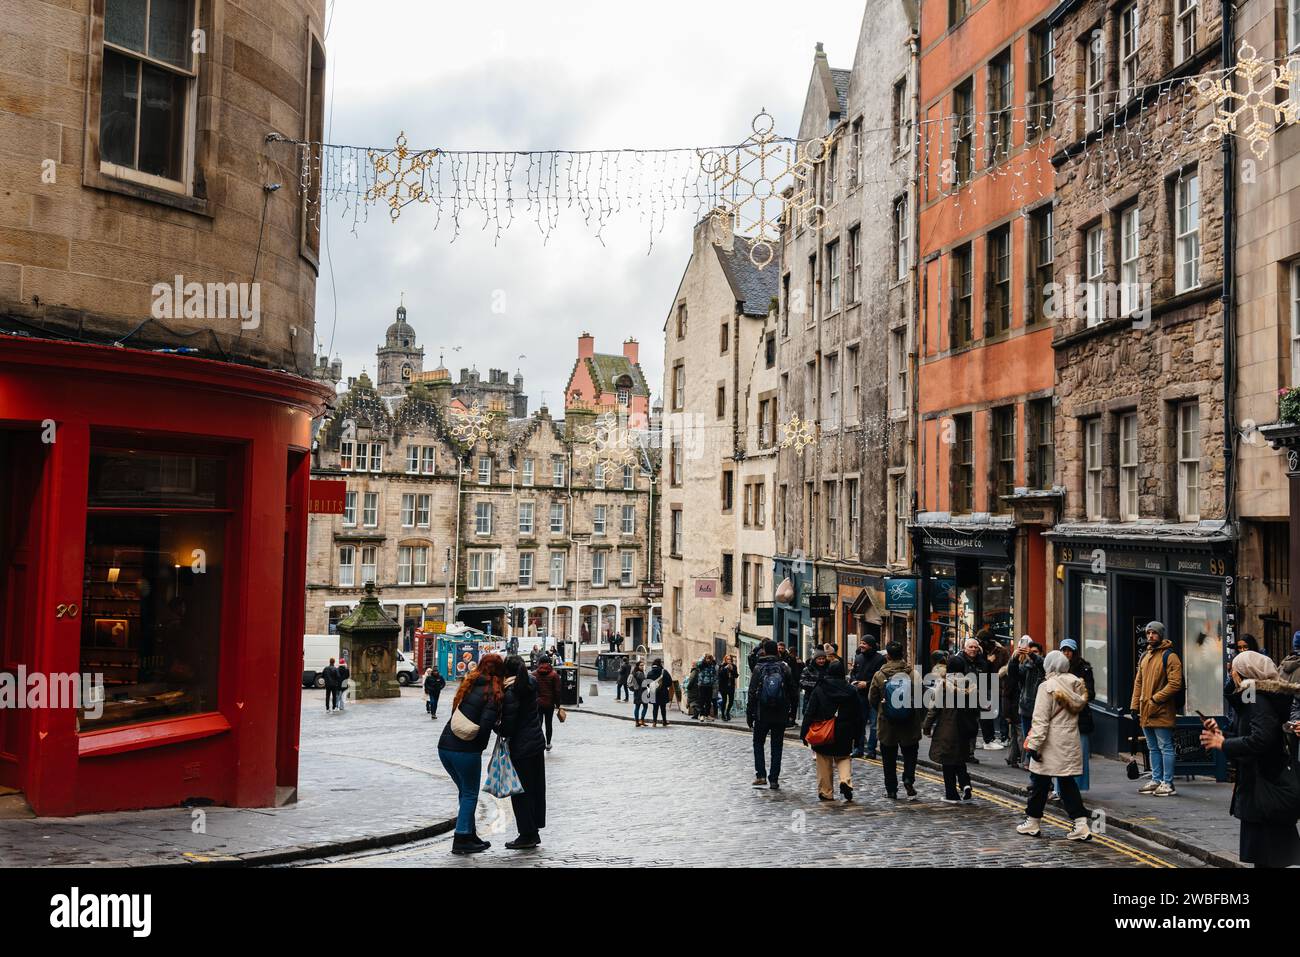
[317, 650]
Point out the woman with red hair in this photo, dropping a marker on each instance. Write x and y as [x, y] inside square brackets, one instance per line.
[474, 715]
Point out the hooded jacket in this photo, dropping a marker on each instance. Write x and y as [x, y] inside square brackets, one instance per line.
[706, 674]
[1029, 675]
[951, 727]
[888, 732]
[1155, 686]
[548, 686]
[782, 716]
[434, 683]
[865, 666]
[1257, 746]
[660, 674]
[834, 698]
[1289, 671]
[1054, 734]
[520, 724]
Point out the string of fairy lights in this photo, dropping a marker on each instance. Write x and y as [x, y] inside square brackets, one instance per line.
[766, 182]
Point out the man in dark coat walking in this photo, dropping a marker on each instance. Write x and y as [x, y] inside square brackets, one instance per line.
[770, 709]
[549, 692]
[866, 663]
[331, 675]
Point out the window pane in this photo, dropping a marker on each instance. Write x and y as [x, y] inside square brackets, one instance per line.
[136, 478]
[117, 109]
[169, 31]
[1096, 636]
[124, 23]
[1203, 654]
[161, 120]
[152, 619]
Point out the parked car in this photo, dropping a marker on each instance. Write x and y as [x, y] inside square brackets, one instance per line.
[317, 650]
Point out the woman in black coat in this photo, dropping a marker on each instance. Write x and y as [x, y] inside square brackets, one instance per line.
[834, 698]
[1257, 749]
[521, 726]
[663, 691]
[474, 712]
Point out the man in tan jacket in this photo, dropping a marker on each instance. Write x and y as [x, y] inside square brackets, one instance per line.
[1156, 689]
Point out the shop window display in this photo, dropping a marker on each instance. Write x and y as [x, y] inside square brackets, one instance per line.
[1095, 633]
[1203, 653]
[156, 532]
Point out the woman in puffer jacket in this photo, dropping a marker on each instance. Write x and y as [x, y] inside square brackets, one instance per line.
[1055, 748]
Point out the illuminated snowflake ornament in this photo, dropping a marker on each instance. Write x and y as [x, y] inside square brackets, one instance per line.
[607, 441]
[399, 176]
[797, 434]
[1257, 103]
[751, 179]
[471, 424]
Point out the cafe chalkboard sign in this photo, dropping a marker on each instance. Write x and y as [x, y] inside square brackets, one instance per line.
[1191, 758]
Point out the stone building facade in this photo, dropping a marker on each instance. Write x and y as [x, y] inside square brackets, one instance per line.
[522, 528]
[1266, 355]
[845, 343]
[1140, 373]
[719, 449]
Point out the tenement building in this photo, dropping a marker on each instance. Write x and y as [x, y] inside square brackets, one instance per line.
[157, 295]
[510, 525]
[984, 432]
[1140, 363]
[845, 346]
[719, 447]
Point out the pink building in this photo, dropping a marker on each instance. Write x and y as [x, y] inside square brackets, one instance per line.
[605, 382]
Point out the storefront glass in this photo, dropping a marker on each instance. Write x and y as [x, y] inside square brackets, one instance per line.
[1203, 653]
[1096, 635]
[156, 531]
[996, 610]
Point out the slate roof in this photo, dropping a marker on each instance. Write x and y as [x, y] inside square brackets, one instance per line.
[841, 80]
[608, 369]
[754, 288]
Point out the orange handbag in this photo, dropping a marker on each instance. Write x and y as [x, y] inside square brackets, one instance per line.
[821, 732]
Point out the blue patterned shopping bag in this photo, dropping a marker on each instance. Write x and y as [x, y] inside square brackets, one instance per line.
[501, 780]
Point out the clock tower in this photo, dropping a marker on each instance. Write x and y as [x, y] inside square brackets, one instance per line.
[400, 359]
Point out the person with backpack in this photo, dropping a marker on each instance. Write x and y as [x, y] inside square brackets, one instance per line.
[1157, 699]
[330, 674]
[773, 698]
[1266, 796]
[866, 663]
[637, 686]
[894, 696]
[706, 685]
[728, 675]
[433, 685]
[1054, 748]
[662, 683]
[621, 690]
[549, 692]
[832, 721]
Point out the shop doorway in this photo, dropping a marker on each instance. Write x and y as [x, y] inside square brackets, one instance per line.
[23, 459]
[1139, 603]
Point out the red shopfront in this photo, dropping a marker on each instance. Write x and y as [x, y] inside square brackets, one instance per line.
[153, 516]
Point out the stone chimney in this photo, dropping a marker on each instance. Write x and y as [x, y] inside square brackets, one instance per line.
[586, 345]
[631, 350]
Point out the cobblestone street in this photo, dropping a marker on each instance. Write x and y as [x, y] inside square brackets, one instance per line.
[681, 797]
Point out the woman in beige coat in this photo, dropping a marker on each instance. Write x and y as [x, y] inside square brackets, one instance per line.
[1054, 747]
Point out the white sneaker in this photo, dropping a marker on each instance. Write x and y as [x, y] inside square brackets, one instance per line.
[1165, 790]
[1149, 787]
[1081, 830]
[980, 745]
[995, 746]
[1030, 827]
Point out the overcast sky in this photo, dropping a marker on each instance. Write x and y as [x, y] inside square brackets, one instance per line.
[525, 75]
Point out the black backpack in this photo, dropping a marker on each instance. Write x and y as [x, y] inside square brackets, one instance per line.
[1180, 698]
[771, 690]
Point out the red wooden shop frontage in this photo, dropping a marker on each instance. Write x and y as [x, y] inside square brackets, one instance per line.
[153, 519]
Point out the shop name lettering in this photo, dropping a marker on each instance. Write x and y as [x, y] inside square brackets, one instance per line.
[213, 300]
[75, 910]
[37, 690]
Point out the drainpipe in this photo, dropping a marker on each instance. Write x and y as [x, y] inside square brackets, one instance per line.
[1229, 278]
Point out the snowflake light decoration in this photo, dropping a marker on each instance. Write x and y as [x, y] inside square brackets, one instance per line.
[797, 434]
[607, 441]
[1261, 79]
[472, 424]
[399, 176]
[751, 179]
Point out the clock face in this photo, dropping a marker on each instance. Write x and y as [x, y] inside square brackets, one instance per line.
[406, 372]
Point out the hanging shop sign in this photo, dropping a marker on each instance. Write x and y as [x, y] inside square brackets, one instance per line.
[901, 594]
[819, 606]
[765, 615]
[706, 588]
[327, 497]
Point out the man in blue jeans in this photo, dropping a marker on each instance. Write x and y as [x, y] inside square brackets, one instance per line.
[772, 703]
[1157, 695]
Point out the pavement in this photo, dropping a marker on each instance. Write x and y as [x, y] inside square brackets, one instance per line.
[619, 795]
[370, 779]
[1195, 821]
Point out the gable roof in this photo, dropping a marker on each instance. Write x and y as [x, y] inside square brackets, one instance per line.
[841, 80]
[753, 288]
[606, 370]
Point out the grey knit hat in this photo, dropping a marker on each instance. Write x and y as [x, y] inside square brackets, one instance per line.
[1157, 627]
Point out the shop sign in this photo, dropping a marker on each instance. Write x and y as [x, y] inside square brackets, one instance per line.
[819, 606]
[435, 627]
[992, 545]
[327, 497]
[706, 588]
[900, 594]
[764, 616]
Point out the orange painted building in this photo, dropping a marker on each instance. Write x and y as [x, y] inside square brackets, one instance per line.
[984, 468]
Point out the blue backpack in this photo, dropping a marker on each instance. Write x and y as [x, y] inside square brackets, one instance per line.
[896, 702]
[771, 693]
